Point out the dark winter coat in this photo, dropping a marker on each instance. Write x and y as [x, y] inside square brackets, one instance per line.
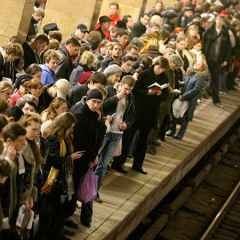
[210, 39]
[30, 56]
[88, 135]
[66, 65]
[76, 93]
[53, 159]
[147, 106]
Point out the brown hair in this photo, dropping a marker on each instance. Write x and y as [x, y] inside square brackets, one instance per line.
[40, 39]
[54, 44]
[114, 4]
[51, 110]
[30, 117]
[129, 80]
[55, 35]
[3, 105]
[34, 83]
[162, 61]
[51, 54]
[4, 85]
[62, 122]
[33, 69]
[13, 131]
[98, 77]
[14, 49]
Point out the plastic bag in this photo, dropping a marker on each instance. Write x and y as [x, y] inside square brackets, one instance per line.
[179, 108]
[88, 187]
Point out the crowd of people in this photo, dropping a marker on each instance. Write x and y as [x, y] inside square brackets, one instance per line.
[73, 109]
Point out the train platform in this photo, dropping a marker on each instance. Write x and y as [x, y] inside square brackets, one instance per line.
[127, 199]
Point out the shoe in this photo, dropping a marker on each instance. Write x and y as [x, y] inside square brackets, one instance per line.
[71, 224]
[140, 170]
[68, 233]
[178, 137]
[119, 169]
[98, 198]
[85, 224]
[170, 133]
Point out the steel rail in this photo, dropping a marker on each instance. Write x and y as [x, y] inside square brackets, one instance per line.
[221, 213]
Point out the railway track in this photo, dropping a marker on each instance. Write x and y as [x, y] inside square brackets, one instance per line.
[208, 204]
[226, 224]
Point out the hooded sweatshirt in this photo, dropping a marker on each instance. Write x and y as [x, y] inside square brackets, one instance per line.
[48, 75]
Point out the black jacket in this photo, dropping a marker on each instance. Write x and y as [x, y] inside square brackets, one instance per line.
[147, 105]
[89, 132]
[76, 93]
[66, 65]
[210, 39]
[30, 56]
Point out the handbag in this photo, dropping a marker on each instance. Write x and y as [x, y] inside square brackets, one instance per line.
[179, 108]
[87, 191]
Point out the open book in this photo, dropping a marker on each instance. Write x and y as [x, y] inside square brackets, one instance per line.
[158, 86]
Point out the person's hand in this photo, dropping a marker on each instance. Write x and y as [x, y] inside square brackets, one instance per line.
[11, 152]
[123, 126]
[77, 155]
[151, 92]
[109, 119]
[47, 187]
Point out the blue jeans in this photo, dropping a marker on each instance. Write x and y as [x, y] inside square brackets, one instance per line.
[110, 142]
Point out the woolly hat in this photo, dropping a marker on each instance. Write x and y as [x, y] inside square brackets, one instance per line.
[94, 94]
[112, 69]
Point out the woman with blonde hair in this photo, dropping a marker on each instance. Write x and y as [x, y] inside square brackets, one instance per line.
[58, 189]
[83, 72]
[56, 107]
[62, 88]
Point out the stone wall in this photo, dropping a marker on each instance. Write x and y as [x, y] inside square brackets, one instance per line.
[10, 16]
[131, 7]
[15, 14]
[69, 13]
